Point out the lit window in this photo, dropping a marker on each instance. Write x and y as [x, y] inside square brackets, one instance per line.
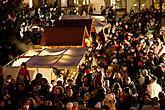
[86, 2]
[76, 2]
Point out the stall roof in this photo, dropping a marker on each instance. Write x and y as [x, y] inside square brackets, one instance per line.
[77, 22]
[43, 61]
[50, 58]
[66, 36]
[57, 51]
[75, 51]
[67, 60]
[19, 61]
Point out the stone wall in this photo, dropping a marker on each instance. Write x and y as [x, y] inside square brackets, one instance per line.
[97, 4]
[130, 3]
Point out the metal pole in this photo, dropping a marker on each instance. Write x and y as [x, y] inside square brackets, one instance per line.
[161, 13]
[125, 6]
[139, 5]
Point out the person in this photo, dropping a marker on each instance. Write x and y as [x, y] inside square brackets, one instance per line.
[153, 88]
[162, 100]
[69, 106]
[109, 101]
[127, 100]
[24, 72]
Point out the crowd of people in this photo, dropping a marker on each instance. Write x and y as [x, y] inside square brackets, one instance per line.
[35, 19]
[8, 10]
[123, 70]
[19, 22]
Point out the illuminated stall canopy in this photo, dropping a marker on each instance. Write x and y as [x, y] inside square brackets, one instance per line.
[44, 61]
[51, 57]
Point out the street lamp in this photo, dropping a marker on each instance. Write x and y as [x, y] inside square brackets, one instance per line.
[143, 6]
[135, 5]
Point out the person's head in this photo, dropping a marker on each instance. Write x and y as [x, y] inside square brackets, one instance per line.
[161, 95]
[35, 88]
[93, 92]
[8, 78]
[128, 80]
[163, 67]
[23, 65]
[87, 96]
[2, 104]
[30, 102]
[58, 105]
[57, 90]
[6, 97]
[108, 74]
[124, 68]
[44, 81]
[126, 90]
[39, 76]
[109, 99]
[69, 92]
[41, 100]
[116, 85]
[81, 105]
[98, 106]
[117, 75]
[69, 106]
[85, 79]
[21, 86]
[146, 96]
[70, 83]
[76, 105]
[148, 102]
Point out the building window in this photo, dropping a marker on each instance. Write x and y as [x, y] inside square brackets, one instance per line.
[64, 3]
[76, 2]
[118, 4]
[70, 2]
[86, 2]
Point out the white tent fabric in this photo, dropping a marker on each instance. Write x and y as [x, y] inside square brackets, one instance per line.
[32, 52]
[42, 61]
[52, 52]
[57, 57]
[51, 57]
[46, 59]
[100, 18]
[67, 60]
[77, 51]
[19, 61]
